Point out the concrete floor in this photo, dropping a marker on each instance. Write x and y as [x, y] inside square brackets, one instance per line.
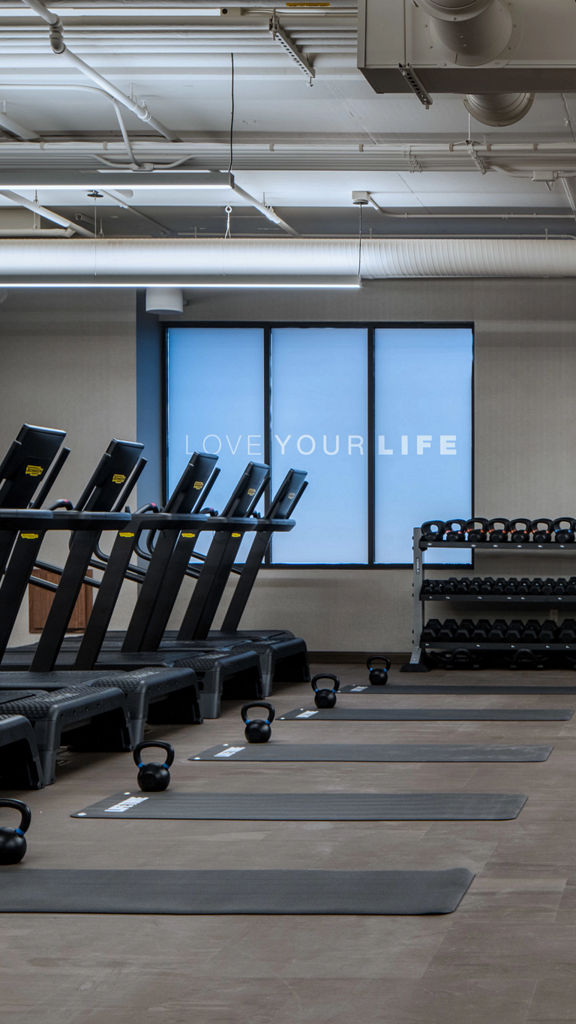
[506, 956]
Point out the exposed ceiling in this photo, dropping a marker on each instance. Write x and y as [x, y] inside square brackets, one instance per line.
[307, 131]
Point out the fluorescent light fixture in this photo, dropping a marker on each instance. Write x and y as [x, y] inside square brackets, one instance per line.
[107, 11]
[190, 282]
[109, 177]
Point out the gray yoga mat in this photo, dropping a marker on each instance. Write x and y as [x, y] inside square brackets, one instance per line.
[309, 806]
[280, 751]
[340, 714]
[441, 688]
[42, 891]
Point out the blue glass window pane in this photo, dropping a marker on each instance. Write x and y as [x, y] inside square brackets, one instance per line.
[423, 424]
[319, 423]
[215, 403]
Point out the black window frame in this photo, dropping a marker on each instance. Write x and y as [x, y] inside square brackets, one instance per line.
[370, 327]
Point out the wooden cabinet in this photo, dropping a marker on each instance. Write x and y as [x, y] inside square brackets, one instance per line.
[40, 600]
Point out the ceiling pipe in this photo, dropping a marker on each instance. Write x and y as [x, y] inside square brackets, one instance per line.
[181, 263]
[476, 32]
[59, 47]
[56, 218]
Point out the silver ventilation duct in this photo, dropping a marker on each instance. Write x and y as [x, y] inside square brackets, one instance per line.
[475, 32]
[188, 263]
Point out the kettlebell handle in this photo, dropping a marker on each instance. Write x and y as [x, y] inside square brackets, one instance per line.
[25, 812]
[558, 523]
[258, 704]
[326, 675]
[169, 759]
[379, 657]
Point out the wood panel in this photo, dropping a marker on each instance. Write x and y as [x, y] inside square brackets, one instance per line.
[40, 601]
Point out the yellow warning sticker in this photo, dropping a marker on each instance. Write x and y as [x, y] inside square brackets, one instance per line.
[34, 470]
[29, 536]
[236, 534]
[189, 535]
[251, 491]
[118, 478]
[125, 534]
[198, 485]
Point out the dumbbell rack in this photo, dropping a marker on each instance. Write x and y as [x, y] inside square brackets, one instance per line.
[419, 547]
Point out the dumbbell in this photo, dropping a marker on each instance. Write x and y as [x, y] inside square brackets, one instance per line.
[430, 631]
[447, 631]
[520, 530]
[541, 531]
[548, 631]
[12, 840]
[378, 674]
[257, 729]
[511, 585]
[523, 586]
[548, 586]
[567, 632]
[559, 588]
[497, 631]
[480, 631]
[531, 632]
[498, 530]
[326, 697]
[475, 587]
[571, 585]
[464, 630]
[486, 585]
[535, 587]
[564, 530]
[498, 585]
[451, 585]
[153, 777]
[514, 631]
[476, 530]
[433, 530]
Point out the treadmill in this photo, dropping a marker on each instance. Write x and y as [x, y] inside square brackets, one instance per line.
[236, 663]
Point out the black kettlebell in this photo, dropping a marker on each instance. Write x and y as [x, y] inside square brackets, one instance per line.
[325, 698]
[152, 776]
[258, 729]
[12, 841]
[378, 674]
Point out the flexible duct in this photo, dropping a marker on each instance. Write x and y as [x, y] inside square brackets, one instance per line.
[476, 32]
[193, 262]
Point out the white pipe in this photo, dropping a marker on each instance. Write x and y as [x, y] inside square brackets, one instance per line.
[56, 218]
[59, 47]
[36, 232]
[187, 262]
[475, 32]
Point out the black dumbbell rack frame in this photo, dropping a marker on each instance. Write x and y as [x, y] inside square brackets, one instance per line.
[417, 661]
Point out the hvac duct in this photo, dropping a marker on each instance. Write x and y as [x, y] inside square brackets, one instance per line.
[177, 263]
[475, 32]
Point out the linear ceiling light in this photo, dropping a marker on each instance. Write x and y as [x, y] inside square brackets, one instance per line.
[115, 178]
[107, 11]
[189, 282]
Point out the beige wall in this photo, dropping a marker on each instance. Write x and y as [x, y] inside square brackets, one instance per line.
[69, 360]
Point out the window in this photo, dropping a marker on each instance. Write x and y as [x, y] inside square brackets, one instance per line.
[381, 419]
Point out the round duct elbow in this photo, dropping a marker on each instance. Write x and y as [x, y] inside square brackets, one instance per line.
[164, 300]
[500, 109]
[471, 31]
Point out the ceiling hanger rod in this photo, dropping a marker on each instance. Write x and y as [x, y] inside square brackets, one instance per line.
[59, 47]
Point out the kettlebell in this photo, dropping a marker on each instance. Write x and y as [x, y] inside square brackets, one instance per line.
[498, 530]
[378, 674]
[12, 841]
[564, 530]
[476, 530]
[152, 776]
[432, 531]
[325, 698]
[258, 729]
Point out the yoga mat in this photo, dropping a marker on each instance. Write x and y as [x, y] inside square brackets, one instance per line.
[42, 891]
[441, 688]
[340, 714]
[308, 806]
[277, 750]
